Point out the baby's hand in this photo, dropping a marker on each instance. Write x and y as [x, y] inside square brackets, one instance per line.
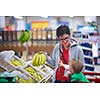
[60, 63]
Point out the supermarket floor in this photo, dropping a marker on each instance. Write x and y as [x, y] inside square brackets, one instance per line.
[97, 68]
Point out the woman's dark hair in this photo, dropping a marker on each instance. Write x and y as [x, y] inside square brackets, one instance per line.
[63, 29]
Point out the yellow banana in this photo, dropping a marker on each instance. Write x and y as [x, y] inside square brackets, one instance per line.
[34, 59]
[30, 69]
[21, 80]
[40, 59]
[30, 80]
[43, 59]
[40, 76]
[16, 62]
[37, 60]
[21, 63]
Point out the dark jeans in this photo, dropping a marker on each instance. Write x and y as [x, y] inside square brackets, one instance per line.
[57, 81]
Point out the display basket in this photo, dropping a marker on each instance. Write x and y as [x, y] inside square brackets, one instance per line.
[41, 73]
[11, 64]
[5, 66]
[20, 61]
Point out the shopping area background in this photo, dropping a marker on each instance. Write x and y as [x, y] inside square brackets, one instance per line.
[85, 29]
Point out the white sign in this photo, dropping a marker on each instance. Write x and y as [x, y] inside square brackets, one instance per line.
[2, 21]
[53, 24]
[95, 49]
[20, 25]
[90, 18]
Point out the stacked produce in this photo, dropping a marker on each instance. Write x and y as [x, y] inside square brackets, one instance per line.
[16, 62]
[29, 80]
[38, 76]
[45, 69]
[39, 59]
[25, 72]
[25, 36]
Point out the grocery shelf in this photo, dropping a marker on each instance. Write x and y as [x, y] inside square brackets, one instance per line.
[88, 57]
[90, 65]
[86, 48]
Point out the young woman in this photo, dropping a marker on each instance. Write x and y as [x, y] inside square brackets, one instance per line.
[65, 50]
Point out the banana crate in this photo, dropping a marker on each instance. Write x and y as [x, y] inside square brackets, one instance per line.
[37, 74]
[23, 77]
[5, 66]
[9, 60]
[44, 68]
[19, 76]
[16, 62]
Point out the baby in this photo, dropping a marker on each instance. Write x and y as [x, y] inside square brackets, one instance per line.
[75, 67]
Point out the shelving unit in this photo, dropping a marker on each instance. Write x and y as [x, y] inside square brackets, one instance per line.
[88, 56]
[98, 60]
[87, 37]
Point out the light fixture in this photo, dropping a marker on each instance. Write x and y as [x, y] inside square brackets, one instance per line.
[18, 17]
[71, 16]
[44, 16]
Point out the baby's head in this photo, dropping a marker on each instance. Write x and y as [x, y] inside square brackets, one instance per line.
[75, 66]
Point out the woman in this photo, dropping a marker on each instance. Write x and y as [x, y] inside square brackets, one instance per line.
[65, 50]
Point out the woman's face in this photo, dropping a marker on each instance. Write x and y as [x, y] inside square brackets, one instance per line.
[65, 40]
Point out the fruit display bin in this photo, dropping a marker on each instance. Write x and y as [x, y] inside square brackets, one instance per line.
[19, 74]
[24, 77]
[40, 74]
[16, 62]
[12, 64]
[43, 73]
[5, 66]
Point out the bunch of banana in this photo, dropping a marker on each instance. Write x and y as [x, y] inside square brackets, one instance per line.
[16, 62]
[44, 70]
[25, 36]
[34, 73]
[37, 76]
[30, 69]
[39, 59]
[30, 80]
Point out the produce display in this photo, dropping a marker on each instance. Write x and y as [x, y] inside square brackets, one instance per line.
[37, 75]
[34, 71]
[25, 36]
[29, 80]
[16, 62]
[5, 66]
[22, 77]
[38, 59]
[45, 69]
